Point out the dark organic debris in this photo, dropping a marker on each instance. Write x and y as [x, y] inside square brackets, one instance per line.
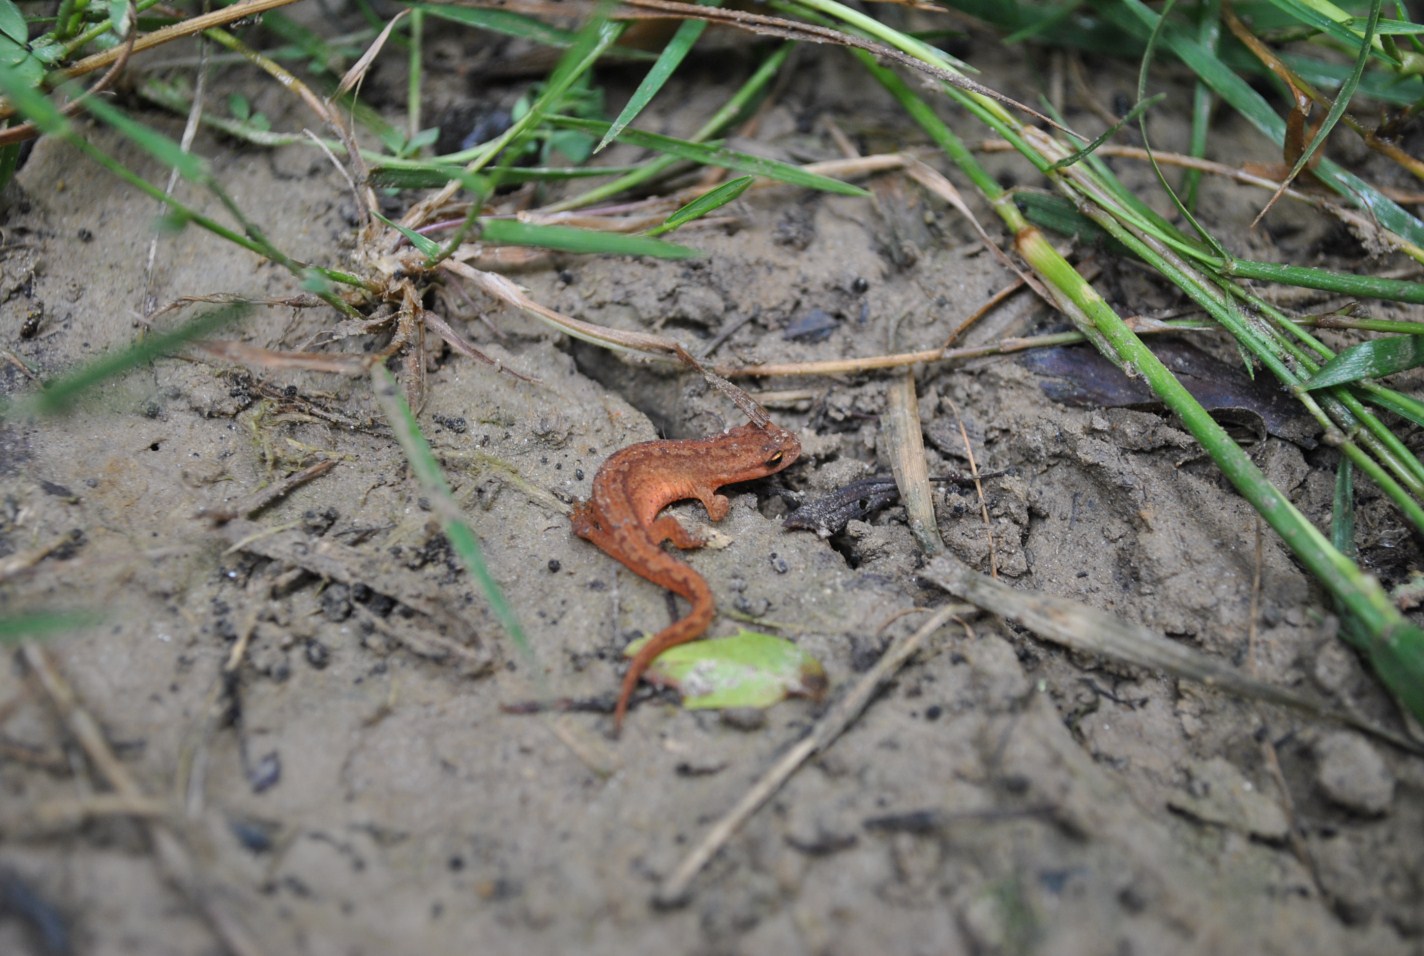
[1079, 375]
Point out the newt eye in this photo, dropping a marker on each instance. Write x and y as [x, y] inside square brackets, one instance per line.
[776, 458]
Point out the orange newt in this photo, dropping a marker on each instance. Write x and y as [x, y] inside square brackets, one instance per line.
[637, 482]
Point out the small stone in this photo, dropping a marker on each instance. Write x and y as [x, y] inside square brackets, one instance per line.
[1352, 773]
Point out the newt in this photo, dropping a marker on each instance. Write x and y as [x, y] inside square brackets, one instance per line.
[638, 482]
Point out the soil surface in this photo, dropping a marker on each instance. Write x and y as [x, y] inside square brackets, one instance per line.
[310, 702]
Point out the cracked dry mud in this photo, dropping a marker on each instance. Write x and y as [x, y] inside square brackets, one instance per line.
[358, 789]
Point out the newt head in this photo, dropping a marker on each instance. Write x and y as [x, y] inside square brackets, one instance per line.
[754, 451]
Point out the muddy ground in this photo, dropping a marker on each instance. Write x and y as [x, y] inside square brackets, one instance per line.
[351, 785]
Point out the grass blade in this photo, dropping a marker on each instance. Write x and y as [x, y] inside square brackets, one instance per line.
[437, 490]
[44, 624]
[512, 232]
[705, 204]
[718, 156]
[1373, 359]
[668, 61]
[59, 395]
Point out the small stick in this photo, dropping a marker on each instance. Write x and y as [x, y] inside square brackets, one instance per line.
[674, 890]
[263, 497]
[905, 441]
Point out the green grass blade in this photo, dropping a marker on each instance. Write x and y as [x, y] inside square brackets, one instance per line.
[1373, 359]
[1356, 286]
[718, 156]
[437, 491]
[1209, 36]
[166, 151]
[44, 624]
[424, 245]
[725, 114]
[1138, 19]
[705, 204]
[1338, 25]
[502, 21]
[591, 43]
[1342, 100]
[1405, 406]
[512, 232]
[427, 175]
[668, 61]
[60, 394]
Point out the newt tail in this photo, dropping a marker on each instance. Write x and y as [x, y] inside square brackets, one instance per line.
[686, 628]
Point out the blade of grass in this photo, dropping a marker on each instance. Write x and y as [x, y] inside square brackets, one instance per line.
[596, 37]
[668, 61]
[60, 394]
[723, 117]
[705, 204]
[512, 232]
[1356, 286]
[1136, 18]
[437, 491]
[1373, 359]
[502, 21]
[43, 624]
[705, 155]
[1209, 36]
[1394, 645]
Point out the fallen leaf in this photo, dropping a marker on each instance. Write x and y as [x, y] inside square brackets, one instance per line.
[747, 669]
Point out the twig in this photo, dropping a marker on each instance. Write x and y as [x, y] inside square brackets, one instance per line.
[978, 487]
[906, 446]
[1089, 630]
[674, 890]
[263, 497]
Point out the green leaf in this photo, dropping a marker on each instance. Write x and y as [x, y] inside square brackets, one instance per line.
[511, 232]
[422, 139]
[47, 50]
[17, 62]
[706, 203]
[119, 17]
[748, 669]
[12, 23]
[578, 147]
[718, 156]
[1373, 359]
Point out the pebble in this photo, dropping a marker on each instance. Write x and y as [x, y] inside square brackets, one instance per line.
[1352, 774]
